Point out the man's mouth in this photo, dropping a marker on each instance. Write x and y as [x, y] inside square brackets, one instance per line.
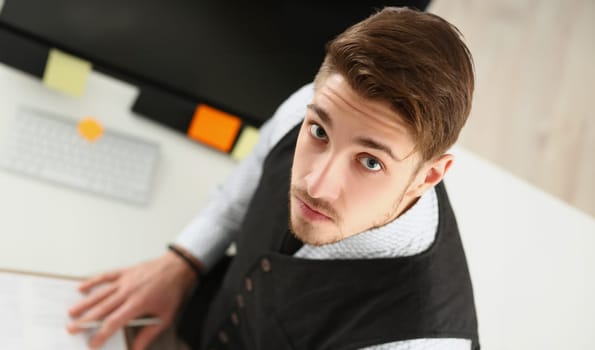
[309, 212]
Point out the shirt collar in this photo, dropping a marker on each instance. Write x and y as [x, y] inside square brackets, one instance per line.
[409, 234]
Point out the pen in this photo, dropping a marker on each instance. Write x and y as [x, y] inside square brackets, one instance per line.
[139, 322]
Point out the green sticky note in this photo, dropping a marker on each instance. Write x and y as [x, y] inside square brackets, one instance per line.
[246, 142]
[66, 73]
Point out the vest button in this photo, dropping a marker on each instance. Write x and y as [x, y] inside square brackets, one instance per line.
[223, 338]
[248, 284]
[240, 300]
[265, 265]
[235, 319]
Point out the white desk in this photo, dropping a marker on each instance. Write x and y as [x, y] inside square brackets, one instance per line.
[530, 257]
[50, 228]
[529, 254]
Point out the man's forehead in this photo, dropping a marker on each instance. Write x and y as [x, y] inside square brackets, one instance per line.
[336, 90]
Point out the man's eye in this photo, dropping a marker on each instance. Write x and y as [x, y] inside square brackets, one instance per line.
[371, 163]
[318, 132]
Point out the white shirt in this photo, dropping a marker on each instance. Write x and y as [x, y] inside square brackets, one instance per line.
[212, 231]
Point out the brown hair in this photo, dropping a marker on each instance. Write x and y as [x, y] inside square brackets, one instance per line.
[418, 63]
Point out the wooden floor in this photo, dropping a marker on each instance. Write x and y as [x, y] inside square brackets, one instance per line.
[533, 109]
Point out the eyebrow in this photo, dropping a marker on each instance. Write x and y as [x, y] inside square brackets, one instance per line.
[364, 141]
[367, 142]
[321, 113]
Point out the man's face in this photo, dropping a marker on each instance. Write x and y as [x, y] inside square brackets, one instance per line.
[351, 169]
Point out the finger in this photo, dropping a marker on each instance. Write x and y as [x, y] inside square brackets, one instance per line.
[91, 300]
[146, 336]
[86, 285]
[99, 312]
[113, 322]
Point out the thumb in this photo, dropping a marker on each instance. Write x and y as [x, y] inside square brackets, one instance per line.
[146, 335]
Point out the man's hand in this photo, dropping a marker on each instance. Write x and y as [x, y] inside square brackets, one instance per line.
[154, 288]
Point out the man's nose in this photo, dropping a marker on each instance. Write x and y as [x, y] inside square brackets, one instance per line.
[325, 181]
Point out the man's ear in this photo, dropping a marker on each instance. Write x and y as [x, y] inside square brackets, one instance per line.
[430, 174]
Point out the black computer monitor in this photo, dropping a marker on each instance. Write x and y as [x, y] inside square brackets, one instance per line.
[243, 57]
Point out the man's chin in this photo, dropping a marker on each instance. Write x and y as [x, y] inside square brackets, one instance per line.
[311, 234]
[315, 241]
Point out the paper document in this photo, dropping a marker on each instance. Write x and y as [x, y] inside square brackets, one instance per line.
[33, 314]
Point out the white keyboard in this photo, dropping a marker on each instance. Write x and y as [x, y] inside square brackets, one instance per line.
[49, 147]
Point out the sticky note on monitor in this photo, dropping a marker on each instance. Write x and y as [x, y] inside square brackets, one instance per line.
[214, 127]
[245, 143]
[66, 73]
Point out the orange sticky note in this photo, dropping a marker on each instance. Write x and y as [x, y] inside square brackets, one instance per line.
[214, 127]
[90, 129]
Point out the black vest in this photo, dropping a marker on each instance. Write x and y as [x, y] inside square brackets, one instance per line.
[264, 299]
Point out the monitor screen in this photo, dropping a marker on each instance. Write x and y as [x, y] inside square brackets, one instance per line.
[243, 57]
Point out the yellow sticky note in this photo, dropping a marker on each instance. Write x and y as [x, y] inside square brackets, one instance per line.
[246, 142]
[66, 73]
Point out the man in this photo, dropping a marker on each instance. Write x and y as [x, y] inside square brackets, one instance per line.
[344, 234]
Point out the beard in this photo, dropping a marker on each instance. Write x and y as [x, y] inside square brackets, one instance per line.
[332, 230]
[315, 234]
[309, 234]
